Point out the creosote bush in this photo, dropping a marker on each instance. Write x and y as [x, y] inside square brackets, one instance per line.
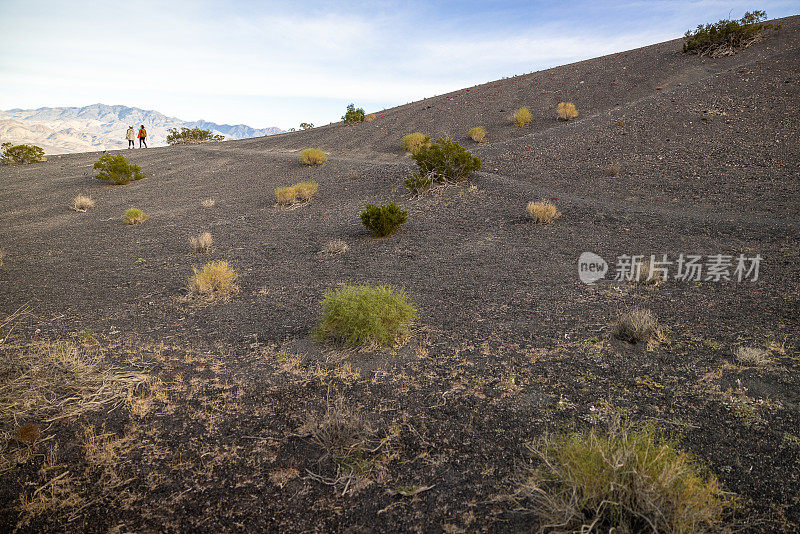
[566, 111]
[413, 142]
[353, 115]
[82, 203]
[313, 156]
[542, 212]
[477, 134]
[300, 192]
[117, 169]
[446, 161]
[365, 314]
[383, 220]
[201, 243]
[134, 216]
[522, 117]
[192, 136]
[724, 37]
[637, 326]
[214, 281]
[21, 154]
[626, 480]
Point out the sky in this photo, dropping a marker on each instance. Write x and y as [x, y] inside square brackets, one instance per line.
[276, 63]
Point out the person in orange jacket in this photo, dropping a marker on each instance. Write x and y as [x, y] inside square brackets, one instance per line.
[142, 136]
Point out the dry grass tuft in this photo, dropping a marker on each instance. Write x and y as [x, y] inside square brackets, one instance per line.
[53, 496]
[626, 480]
[300, 192]
[752, 356]
[613, 169]
[341, 430]
[335, 246]
[134, 216]
[477, 134]
[82, 203]
[414, 142]
[522, 117]
[370, 117]
[2, 256]
[216, 280]
[637, 326]
[566, 111]
[201, 243]
[649, 275]
[313, 156]
[208, 203]
[542, 212]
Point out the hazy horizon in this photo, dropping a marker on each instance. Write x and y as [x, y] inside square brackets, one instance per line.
[272, 64]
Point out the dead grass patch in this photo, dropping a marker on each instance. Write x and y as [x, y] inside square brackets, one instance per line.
[313, 156]
[82, 203]
[208, 202]
[201, 243]
[370, 117]
[216, 280]
[649, 274]
[296, 194]
[57, 494]
[566, 111]
[638, 325]
[335, 246]
[542, 212]
[752, 356]
[2, 256]
[625, 480]
[339, 431]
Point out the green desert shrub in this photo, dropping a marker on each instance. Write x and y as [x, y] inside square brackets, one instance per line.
[477, 134]
[522, 117]
[192, 136]
[353, 115]
[413, 142]
[726, 36]
[419, 183]
[117, 169]
[365, 314]
[446, 161]
[383, 220]
[134, 216]
[625, 480]
[313, 156]
[306, 125]
[21, 154]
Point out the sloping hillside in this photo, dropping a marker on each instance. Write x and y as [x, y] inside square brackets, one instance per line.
[214, 422]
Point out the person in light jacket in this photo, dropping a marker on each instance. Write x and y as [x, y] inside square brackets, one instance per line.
[130, 135]
[142, 136]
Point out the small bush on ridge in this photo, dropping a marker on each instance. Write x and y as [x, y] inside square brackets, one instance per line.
[522, 117]
[353, 115]
[477, 134]
[447, 161]
[364, 314]
[566, 111]
[134, 216]
[192, 136]
[313, 156]
[383, 220]
[413, 142]
[215, 280]
[21, 154]
[306, 125]
[117, 169]
[543, 212]
[724, 37]
[626, 480]
[370, 117]
[82, 203]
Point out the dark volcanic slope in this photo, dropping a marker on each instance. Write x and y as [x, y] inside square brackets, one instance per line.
[710, 155]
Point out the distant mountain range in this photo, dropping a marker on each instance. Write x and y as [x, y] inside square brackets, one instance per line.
[102, 127]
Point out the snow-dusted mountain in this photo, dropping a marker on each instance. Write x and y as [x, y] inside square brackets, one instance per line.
[101, 127]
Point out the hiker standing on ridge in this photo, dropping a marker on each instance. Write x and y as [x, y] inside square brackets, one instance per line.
[130, 135]
[142, 136]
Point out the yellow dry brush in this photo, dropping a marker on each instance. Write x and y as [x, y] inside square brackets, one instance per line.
[300, 192]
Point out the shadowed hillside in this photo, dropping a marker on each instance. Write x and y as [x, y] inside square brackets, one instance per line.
[216, 416]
